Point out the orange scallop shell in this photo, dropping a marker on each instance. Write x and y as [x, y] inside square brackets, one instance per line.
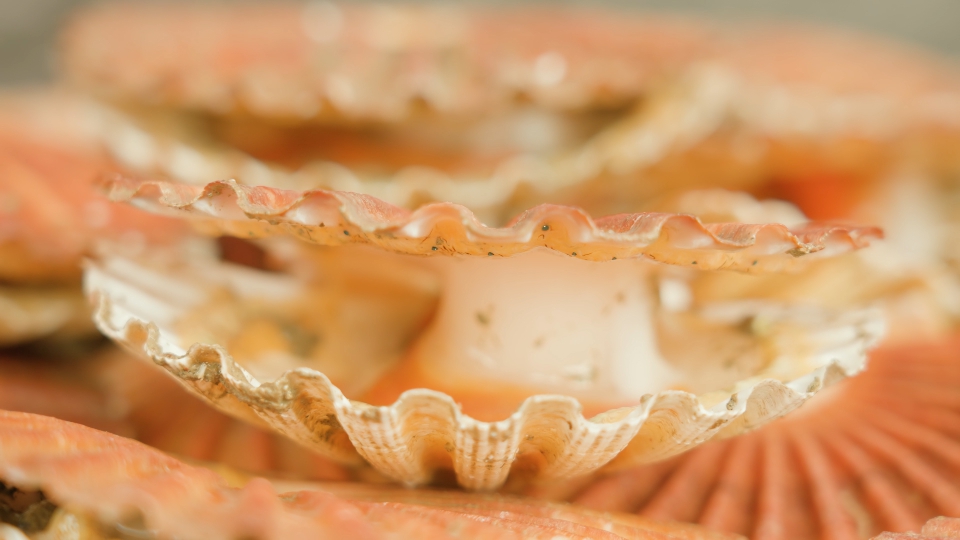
[51, 212]
[108, 477]
[324, 60]
[877, 452]
[327, 60]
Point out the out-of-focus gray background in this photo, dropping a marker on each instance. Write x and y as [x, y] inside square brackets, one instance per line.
[28, 27]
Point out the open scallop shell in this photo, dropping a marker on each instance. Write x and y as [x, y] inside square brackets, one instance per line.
[325, 60]
[679, 139]
[107, 486]
[298, 401]
[877, 452]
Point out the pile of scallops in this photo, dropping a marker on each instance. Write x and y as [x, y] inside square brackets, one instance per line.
[310, 270]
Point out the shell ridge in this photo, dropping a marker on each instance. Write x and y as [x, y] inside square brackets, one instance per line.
[643, 231]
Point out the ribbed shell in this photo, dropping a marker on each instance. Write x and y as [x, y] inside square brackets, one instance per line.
[94, 474]
[878, 452]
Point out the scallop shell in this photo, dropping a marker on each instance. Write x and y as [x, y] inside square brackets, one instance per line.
[334, 61]
[876, 452]
[677, 140]
[816, 132]
[52, 213]
[331, 61]
[113, 477]
[112, 391]
[339, 218]
[303, 404]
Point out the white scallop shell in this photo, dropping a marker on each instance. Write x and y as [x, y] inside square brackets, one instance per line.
[547, 437]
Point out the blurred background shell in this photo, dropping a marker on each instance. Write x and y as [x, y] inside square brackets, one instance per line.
[52, 215]
[712, 105]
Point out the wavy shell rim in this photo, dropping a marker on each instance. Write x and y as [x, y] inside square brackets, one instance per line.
[320, 215]
[482, 453]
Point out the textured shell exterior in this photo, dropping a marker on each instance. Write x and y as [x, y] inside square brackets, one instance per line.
[338, 218]
[878, 452]
[546, 437]
[332, 61]
[95, 477]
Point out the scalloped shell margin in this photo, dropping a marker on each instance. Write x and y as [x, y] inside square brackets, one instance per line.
[424, 430]
[338, 217]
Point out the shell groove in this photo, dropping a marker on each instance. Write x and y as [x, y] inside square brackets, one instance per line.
[876, 452]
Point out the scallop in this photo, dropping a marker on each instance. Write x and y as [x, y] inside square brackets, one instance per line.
[332, 62]
[878, 452]
[537, 324]
[637, 107]
[51, 215]
[62, 477]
